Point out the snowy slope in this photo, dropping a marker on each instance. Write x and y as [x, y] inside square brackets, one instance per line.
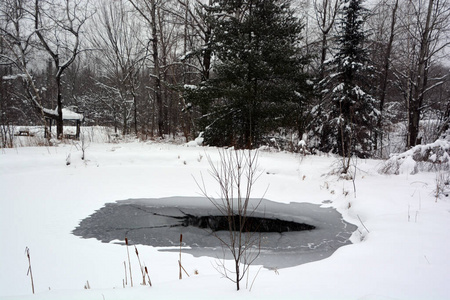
[399, 252]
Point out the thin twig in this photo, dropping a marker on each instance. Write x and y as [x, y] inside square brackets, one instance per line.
[363, 224]
[27, 251]
[251, 286]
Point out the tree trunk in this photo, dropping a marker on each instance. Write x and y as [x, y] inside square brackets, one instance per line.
[385, 80]
[59, 119]
[415, 107]
[207, 56]
[156, 73]
[135, 112]
[237, 274]
[125, 122]
[413, 125]
[445, 123]
[207, 52]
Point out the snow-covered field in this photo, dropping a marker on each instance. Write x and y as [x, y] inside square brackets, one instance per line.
[400, 250]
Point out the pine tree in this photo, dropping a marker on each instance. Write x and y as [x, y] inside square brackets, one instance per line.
[257, 84]
[351, 110]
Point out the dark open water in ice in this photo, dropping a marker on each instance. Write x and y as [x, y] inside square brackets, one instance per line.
[159, 223]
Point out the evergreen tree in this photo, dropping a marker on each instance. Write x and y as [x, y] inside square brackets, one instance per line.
[350, 111]
[257, 84]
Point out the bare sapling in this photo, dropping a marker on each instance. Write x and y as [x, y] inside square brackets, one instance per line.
[236, 173]
[354, 178]
[345, 144]
[30, 272]
[84, 145]
[442, 182]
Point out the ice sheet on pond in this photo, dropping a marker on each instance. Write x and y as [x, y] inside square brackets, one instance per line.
[158, 223]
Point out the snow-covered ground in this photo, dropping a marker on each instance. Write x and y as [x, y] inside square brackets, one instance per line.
[400, 250]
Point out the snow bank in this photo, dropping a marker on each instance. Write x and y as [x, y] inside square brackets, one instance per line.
[429, 157]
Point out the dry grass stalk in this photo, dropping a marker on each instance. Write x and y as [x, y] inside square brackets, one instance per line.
[87, 286]
[148, 276]
[140, 266]
[129, 263]
[182, 268]
[27, 251]
[179, 261]
[125, 281]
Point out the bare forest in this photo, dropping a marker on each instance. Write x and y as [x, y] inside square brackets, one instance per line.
[351, 77]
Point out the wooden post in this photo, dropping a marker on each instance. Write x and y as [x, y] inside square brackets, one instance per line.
[77, 136]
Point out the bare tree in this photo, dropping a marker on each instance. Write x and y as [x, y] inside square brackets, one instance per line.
[385, 10]
[166, 23]
[148, 10]
[325, 14]
[18, 45]
[58, 26]
[122, 57]
[199, 33]
[236, 173]
[425, 32]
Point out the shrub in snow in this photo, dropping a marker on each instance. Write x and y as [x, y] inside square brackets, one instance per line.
[197, 142]
[68, 160]
[429, 157]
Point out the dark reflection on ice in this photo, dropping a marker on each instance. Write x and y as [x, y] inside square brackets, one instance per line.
[159, 222]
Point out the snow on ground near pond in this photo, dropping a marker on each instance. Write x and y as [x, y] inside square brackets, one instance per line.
[403, 256]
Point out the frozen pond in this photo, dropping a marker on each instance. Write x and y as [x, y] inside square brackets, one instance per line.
[303, 232]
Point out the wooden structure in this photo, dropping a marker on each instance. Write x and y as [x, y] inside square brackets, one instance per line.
[69, 115]
[24, 132]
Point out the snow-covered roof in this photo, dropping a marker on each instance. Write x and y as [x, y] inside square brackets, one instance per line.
[71, 115]
[67, 114]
